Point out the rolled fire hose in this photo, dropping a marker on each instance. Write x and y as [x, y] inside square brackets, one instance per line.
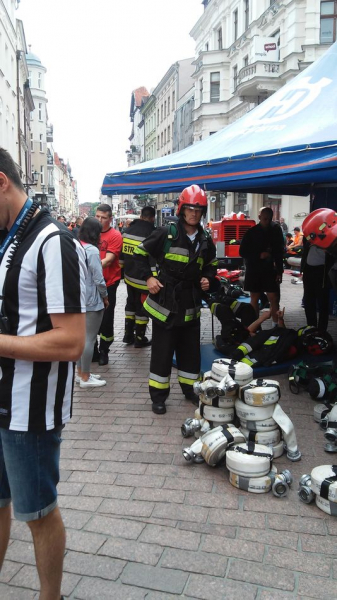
[240, 372]
[264, 425]
[268, 438]
[249, 460]
[328, 507]
[320, 411]
[324, 482]
[288, 431]
[316, 388]
[253, 413]
[218, 401]
[193, 453]
[330, 419]
[257, 485]
[210, 413]
[305, 492]
[278, 449]
[260, 392]
[216, 442]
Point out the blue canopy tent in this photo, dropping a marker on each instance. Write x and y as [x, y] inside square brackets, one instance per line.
[285, 145]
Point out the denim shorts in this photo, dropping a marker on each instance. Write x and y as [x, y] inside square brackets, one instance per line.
[29, 472]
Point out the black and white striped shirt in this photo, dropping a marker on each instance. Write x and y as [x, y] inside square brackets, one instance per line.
[47, 276]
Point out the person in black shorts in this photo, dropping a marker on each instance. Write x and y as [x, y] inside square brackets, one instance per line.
[262, 248]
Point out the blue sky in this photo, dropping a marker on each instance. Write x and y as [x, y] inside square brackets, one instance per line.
[96, 53]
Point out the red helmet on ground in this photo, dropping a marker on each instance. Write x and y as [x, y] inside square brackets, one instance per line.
[320, 227]
[192, 196]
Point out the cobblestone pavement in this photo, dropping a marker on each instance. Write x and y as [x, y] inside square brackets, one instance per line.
[143, 523]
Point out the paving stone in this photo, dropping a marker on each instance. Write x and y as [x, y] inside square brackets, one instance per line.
[9, 569]
[21, 552]
[253, 572]
[168, 536]
[158, 495]
[82, 503]
[20, 531]
[93, 445]
[187, 471]
[275, 595]
[212, 500]
[314, 587]
[236, 548]
[233, 517]
[214, 588]
[273, 505]
[74, 519]
[124, 507]
[297, 561]
[69, 489]
[93, 566]
[150, 458]
[180, 483]
[94, 588]
[310, 543]
[14, 593]
[299, 524]
[270, 538]
[89, 477]
[107, 491]
[80, 435]
[93, 455]
[78, 465]
[123, 528]
[84, 541]
[134, 551]
[144, 481]
[112, 467]
[28, 578]
[110, 428]
[180, 512]
[155, 578]
[219, 530]
[194, 562]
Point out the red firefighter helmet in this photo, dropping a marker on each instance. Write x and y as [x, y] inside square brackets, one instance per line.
[192, 196]
[320, 227]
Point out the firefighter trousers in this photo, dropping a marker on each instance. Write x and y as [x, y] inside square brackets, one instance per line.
[135, 318]
[185, 342]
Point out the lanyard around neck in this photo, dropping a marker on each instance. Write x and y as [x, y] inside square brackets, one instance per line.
[13, 230]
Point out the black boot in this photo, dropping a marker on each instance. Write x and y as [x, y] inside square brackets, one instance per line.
[158, 408]
[129, 335]
[103, 358]
[142, 342]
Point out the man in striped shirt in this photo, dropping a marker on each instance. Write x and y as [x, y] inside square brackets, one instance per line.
[42, 323]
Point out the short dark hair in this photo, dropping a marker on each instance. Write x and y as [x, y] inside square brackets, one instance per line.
[268, 210]
[289, 235]
[104, 208]
[8, 167]
[90, 231]
[297, 229]
[148, 212]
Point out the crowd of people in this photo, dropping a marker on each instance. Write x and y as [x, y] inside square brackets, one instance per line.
[57, 301]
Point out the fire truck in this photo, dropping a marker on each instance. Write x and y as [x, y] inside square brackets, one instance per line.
[227, 235]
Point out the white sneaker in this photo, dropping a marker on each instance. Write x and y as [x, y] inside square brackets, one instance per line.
[92, 382]
[78, 379]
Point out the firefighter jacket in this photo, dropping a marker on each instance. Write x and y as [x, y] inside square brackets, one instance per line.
[136, 233]
[267, 347]
[181, 265]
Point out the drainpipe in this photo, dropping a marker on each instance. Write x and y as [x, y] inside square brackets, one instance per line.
[18, 58]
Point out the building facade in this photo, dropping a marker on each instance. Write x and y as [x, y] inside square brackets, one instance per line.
[245, 51]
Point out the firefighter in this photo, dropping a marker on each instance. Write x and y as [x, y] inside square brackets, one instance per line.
[186, 260]
[320, 229]
[135, 319]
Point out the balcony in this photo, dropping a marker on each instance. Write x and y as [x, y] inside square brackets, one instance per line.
[210, 59]
[262, 76]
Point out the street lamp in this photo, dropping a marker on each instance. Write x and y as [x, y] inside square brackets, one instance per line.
[34, 181]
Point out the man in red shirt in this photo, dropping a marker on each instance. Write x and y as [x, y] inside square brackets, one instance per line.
[110, 248]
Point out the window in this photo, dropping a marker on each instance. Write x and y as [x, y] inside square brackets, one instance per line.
[161, 139]
[206, 47]
[41, 175]
[168, 105]
[39, 80]
[31, 142]
[220, 38]
[30, 78]
[161, 112]
[164, 136]
[215, 87]
[40, 111]
[41, 142]
[158, 116]
[7, 113]
[328, 22]
[235, 24]
[158, 142]
[165, 107]
[246, 14]
[235, 77]
[245, 61]
[13, 120]
[173, 100]
[201, 89]
[168, 133]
